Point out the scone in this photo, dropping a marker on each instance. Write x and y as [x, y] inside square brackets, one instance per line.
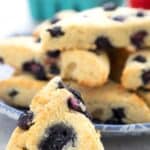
[57, 126]
[59, 16]
[98, 27]
[20, 52]
[19, 90]
[112, 104]
[92, 71]
[85, 67]
[136, 73]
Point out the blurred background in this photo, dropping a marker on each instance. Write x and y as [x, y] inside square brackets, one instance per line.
[21, 16]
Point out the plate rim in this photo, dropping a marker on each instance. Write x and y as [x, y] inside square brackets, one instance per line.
[106, 129]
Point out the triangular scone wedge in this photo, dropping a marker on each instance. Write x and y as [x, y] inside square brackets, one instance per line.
[60, 125]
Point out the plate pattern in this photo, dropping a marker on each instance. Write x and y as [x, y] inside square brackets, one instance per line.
[107, 130]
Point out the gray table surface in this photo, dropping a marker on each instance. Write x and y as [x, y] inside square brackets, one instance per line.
[111, 143]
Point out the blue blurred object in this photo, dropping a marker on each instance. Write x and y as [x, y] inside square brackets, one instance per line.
[43, 9]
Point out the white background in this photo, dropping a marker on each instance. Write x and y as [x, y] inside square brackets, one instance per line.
[14, 17]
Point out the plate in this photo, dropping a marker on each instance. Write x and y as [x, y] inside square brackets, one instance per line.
[106, 130]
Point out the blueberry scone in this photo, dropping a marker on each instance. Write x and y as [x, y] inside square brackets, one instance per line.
[57, 126]
[86, 31]
[112, 104]
[85, 67]
[23, 53]
[59, 16]
[91, 71]
[31, 60]
[136, 73]
[19, 90]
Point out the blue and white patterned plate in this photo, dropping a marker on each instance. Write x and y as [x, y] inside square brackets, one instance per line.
[107, 130]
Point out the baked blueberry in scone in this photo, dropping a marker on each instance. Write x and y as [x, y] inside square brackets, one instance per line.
[57, 126]
[113, 104]
[19, 90]
[136, 73]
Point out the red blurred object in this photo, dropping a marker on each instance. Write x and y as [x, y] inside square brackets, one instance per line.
[140, 4]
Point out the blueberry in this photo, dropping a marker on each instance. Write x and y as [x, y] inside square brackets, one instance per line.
[117, 116]
[1, 60]
[56, 31]
[38, 40]
[118, 113]
[119, 18]
[35, 68]
[109, 6]
[61, 85]
[57, 137]
[74, 104]
[140, 14]
[140, 58]
[53, 53]
[54, 69]
[76, 94]
[54, 20]
[77, 105]
[25, 120]
[137, 39]
[146, 76]
[13, 93]
[143, 89]
[103, 42]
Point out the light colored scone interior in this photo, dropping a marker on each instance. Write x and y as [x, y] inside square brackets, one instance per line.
[134, 70]
[56, 112]
[85, 67]
[101, 102]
